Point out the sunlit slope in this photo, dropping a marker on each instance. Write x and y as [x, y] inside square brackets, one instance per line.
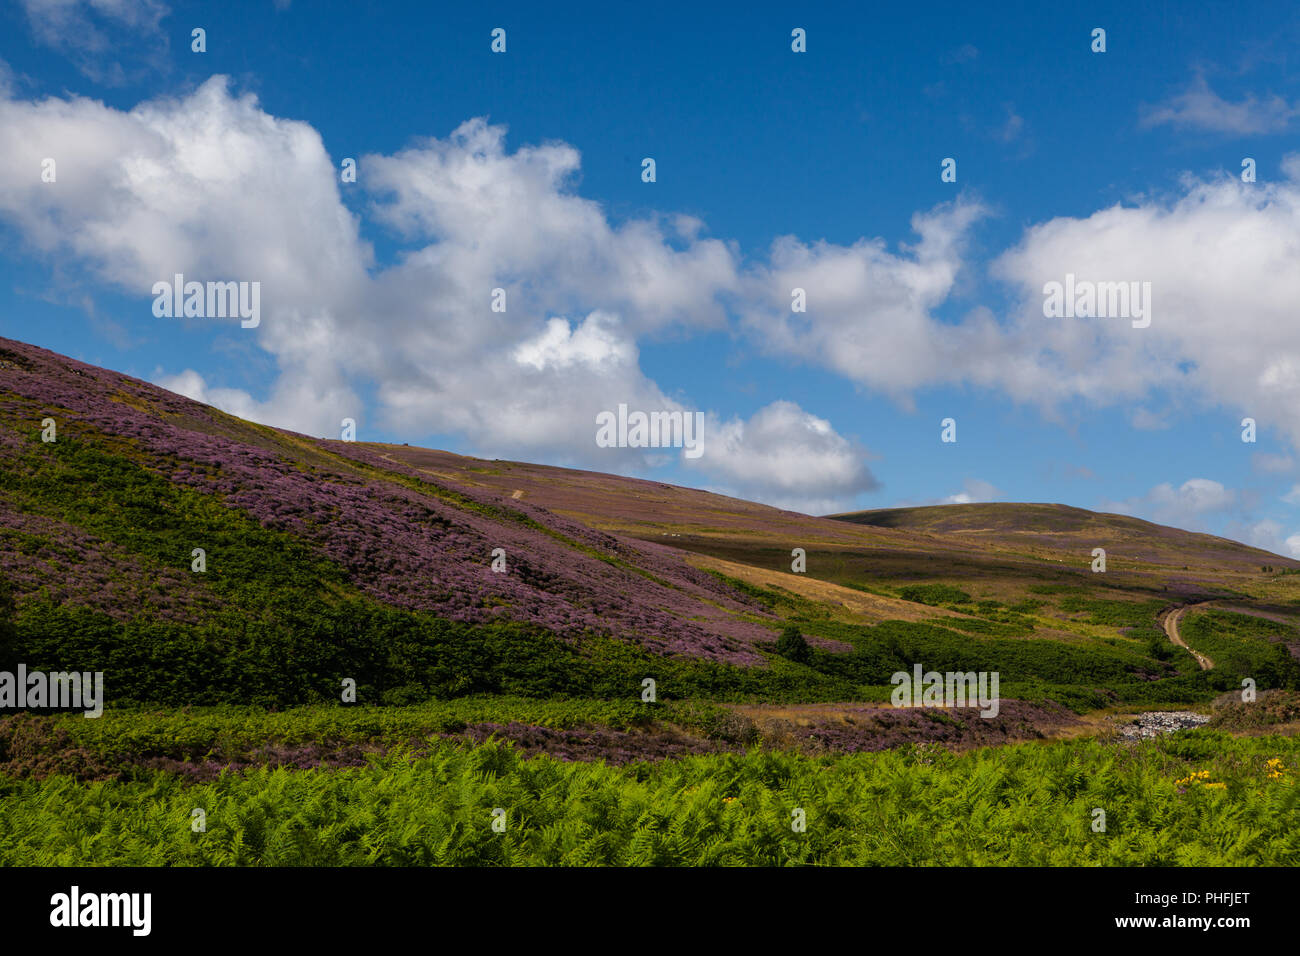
[1003, 547]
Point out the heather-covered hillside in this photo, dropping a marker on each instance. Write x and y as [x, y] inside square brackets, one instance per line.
[326, 560]
[1024, 542]
[98, 528]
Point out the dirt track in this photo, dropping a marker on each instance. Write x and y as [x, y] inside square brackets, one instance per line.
[1170, 623]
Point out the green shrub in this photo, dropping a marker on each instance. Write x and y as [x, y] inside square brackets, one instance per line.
[933, 594]
[792, 646]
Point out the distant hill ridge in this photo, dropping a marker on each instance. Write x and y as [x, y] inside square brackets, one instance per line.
[1030, 518]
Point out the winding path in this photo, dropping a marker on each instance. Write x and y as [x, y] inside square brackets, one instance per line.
[1169, 620]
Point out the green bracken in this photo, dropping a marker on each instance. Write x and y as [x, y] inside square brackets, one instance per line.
[1029, 804]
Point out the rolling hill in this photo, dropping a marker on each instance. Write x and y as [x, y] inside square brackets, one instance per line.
[201, 558]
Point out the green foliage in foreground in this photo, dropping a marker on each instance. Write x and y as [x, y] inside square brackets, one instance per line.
[1023, 805]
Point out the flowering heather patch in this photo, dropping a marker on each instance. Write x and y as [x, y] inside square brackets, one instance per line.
[1271, 709]
[651, 557]
[65, 565]
[401, 538]
[300, 757]
[199, 750]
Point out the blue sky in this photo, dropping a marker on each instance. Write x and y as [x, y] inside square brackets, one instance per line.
[774, 169]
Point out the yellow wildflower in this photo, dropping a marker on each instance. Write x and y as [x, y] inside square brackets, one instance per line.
[1202, 777]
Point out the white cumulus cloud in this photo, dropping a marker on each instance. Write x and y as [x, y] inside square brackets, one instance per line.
[211, 186]
[791, 458]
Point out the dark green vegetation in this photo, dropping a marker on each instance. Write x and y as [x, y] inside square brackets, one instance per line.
[935, 594]
[1243, 645]
[792, 646]
[398, 657]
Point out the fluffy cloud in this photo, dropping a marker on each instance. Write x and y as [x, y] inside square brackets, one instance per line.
[211, 186]
[869, 310]
[579, 296]
[796, 460]
[500, 219]
[1218, 257]
[1220, 260]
